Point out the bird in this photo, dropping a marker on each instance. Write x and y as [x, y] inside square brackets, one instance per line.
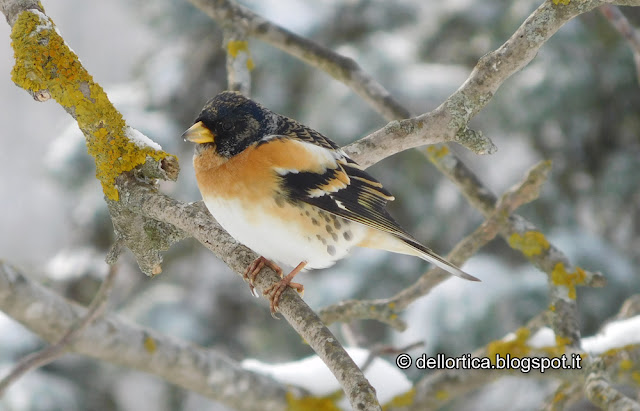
[290, 194]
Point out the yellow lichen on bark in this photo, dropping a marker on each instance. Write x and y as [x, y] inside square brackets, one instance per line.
[558, 349]
[150, 345]
[328, 403]
[235, 47]
[560, 276]
[530, 243]
[437, 152]
[516, 347]
[45, 62]
[402, 400]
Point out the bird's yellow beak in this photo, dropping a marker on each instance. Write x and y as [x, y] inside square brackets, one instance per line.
[198, 133]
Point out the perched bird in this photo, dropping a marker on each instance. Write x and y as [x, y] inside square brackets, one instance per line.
[289, 193]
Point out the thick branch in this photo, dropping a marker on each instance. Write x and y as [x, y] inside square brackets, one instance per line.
[110, 339]
[53, 351]
[47, 68]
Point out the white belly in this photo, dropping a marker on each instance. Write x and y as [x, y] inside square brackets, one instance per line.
[287, 242]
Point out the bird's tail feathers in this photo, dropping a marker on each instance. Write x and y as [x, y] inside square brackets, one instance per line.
[428, 255]
[406, 245]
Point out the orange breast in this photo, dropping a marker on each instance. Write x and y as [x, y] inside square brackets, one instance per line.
[251, 175]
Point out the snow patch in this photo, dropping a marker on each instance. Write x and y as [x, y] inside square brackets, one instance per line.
[45, 22]
[140, 139]
[614, 335]
[313, 375]
[544, 337]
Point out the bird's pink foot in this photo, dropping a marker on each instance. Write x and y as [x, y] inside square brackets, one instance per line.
[254, 269]
[275, 291]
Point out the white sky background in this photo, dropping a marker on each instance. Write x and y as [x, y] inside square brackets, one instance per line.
[32, 208]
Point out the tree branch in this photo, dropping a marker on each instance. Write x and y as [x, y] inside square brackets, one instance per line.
[239, 61]
[52, 352]
[626, 30]
[601, 393]
[112, 340]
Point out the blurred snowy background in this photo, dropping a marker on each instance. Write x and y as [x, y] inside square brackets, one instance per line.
[577, 104]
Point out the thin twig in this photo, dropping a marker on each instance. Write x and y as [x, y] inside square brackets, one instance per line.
[341, 68]
[59, 348]
[628, 32]
[600, 391]
[380, 350]
[239, 61]
[630, 308]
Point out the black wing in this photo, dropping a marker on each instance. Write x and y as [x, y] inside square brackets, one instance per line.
[343, 189]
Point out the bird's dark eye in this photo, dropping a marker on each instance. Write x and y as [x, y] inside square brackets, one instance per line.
[227, 125]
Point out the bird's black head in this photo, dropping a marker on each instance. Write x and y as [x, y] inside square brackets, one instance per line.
[232, 122]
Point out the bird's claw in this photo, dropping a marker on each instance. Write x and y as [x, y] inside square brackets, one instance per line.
[275, 291]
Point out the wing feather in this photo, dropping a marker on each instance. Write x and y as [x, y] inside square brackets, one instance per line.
[343, 188]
